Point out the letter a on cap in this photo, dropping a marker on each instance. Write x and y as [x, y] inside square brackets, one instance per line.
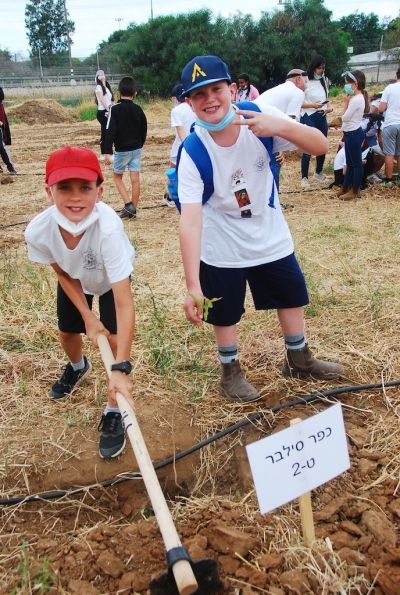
[197, 71]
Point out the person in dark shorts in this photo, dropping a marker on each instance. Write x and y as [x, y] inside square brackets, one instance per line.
[84, 241]
[240, 235]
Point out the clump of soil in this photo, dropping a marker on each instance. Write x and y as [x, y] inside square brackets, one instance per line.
[42, 111]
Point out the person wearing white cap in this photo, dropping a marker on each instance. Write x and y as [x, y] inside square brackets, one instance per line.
[104, 99]
[287, 97]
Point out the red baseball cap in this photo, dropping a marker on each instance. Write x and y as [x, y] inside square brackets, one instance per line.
[73, 162]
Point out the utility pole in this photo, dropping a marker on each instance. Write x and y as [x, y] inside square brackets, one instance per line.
[379, 62]
[68, 39]
[119, 22]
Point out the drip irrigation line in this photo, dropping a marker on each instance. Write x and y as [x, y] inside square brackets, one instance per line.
[256, 417]
[139, 209]
[13, 224]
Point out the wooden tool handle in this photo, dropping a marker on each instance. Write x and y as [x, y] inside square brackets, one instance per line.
[183, 573]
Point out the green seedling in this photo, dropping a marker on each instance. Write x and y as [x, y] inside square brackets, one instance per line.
[205, 303]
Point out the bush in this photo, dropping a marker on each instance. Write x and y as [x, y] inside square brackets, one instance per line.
[87, 110]
[335, 91]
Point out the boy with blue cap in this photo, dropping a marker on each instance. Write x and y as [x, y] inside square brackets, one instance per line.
[240, 235]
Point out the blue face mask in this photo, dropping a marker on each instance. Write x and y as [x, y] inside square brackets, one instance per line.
[319, 76]
[348, 89]
[221, 125]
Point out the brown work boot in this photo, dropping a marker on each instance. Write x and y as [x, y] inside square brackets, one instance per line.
[234, 386]
[351, 194]
[342, 190]
[302, 363]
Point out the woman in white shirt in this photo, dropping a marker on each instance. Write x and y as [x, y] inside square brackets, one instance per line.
[313, 113]
[355, 104]
[104, 98]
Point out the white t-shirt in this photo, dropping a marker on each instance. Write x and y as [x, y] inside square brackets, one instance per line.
[314, 92]
[107, 97]
[286, 97]
[391, 96]
[181, 115]
[242, 182]
[351, 119]
[340, 159]
[103, 256]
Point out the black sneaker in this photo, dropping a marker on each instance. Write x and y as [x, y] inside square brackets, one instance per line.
[12, 172]
[128, 212]
[168, 200]
[112, 439]
[69, 380]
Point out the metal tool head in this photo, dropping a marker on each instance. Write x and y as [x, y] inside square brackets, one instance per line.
[205, 571]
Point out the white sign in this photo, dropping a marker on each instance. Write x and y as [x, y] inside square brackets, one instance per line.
[299, 459]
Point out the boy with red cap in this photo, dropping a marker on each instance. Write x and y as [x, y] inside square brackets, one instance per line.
[84, 241]
[240, 235]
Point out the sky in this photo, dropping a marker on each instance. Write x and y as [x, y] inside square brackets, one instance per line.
[95, 20]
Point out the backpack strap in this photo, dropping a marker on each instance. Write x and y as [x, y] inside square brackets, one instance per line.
[266, 141]
[196, 150]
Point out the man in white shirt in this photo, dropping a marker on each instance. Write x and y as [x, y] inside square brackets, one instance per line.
[390, 103]
[288, 98]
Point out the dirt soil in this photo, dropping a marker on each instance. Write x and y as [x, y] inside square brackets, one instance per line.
[93, 530]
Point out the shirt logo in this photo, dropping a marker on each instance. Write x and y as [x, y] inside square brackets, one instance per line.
[197, 71]
[90, 262]
[259, 164]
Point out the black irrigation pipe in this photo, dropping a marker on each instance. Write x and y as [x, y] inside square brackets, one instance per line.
[139, 209]
[190, 450]
[157, 206]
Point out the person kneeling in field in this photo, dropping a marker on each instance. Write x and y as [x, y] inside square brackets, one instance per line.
[84, 241]
[240, 234]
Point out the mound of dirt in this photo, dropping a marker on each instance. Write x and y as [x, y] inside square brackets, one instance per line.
[157, 112]
[42, 111]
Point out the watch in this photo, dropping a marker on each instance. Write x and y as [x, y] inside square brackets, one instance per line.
[124, 367]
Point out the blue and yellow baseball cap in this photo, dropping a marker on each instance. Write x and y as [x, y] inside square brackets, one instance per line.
[203, 70]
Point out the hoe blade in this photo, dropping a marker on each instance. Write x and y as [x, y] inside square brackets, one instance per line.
[205, 571]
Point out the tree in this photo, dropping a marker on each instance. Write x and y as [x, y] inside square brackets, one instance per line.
[47, 27]
[365, 31]
[6, 63]
[291, 38]
[391, 40]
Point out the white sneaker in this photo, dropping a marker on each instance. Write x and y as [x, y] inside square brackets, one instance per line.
[101, 158]
[377, 150]
[320, 177]
[305, 183]
[374, 179]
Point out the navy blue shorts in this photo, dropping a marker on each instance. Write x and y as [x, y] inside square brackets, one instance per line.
[273, 285]
[70, 319]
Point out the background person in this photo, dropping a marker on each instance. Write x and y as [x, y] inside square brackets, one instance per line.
[245, 90]
[182, 117]
[287, 97]
[5, 138]
[313, 113]
[354, 105]
[126, 132]
[104, 99]
[390, 104]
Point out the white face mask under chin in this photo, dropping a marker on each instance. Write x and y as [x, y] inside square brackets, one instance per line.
[75, 229]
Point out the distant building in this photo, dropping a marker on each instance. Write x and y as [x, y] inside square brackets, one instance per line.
[375, 65]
